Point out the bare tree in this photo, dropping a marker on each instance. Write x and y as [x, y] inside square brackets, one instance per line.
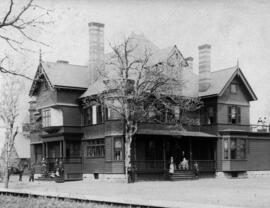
[10, 93]
[18, 20]
[140, 91]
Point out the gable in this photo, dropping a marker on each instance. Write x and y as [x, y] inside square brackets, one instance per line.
[244, 88]
[221, 80]
[40, 80]
[240, 97]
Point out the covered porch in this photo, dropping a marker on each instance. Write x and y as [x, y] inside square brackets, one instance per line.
[152, 151]
[56, 149]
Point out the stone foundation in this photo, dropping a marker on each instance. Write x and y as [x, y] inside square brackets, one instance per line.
[254, 174]
[102, 176]
[247, 174]
[37, 175]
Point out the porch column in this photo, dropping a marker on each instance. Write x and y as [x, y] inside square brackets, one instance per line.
[164, 153]
[61, 149]
[44, 150]
[46, 147]
[64, 149]
[190, 150]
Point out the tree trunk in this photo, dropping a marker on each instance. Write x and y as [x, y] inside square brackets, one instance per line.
[128, 140]
[6, 178]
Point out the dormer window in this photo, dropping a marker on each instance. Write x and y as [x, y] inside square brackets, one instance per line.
[233, 88]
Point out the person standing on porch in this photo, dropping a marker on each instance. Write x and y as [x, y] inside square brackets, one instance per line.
[171, 169]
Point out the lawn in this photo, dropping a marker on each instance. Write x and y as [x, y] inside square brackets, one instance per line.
[28, 202]
[250, 192]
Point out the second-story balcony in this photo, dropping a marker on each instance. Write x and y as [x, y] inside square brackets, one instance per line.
[215, 128]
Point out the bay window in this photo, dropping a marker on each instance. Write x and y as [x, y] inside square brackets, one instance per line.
[46, 117]
[234, 148]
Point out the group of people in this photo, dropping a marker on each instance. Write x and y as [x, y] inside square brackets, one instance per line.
[262, 125]
[184, 165]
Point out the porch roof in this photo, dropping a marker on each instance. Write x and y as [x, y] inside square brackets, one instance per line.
[175, 133]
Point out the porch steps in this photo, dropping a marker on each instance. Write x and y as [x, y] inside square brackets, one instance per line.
[182, 175]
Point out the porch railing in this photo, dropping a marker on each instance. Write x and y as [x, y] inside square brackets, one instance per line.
[161, 165]
[148, 165]
[66, 161]
[205, 165]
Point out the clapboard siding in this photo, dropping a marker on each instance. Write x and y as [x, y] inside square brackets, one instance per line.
[219, 154]
[118, 167]
[46, 97]
[258, 155]
[109, 148]
[94, 165]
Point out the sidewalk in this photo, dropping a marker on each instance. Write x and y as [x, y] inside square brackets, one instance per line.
[214, 193]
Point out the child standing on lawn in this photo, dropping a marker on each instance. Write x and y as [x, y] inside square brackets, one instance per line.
[32, 173]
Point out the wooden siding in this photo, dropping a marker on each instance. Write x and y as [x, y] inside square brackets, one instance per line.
[222, 114]
[68, 96]
[258, 154]
[118, 167]
[46, 97]
[109, 148]
[71, 116]
[109, 128]
[219, 154]
[239, 98]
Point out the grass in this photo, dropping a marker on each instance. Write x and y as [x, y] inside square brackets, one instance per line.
[42, 202]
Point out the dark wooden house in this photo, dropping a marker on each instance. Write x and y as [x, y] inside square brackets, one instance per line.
[89, 138]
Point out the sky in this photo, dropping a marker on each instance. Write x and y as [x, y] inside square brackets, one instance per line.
[236, 30]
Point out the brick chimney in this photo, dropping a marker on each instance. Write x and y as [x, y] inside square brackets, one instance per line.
[190, 63]
[96, 49]
[204, 67]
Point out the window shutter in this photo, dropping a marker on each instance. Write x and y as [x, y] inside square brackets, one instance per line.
[229, 114]
[238, 115]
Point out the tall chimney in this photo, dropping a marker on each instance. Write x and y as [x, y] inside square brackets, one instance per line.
[190, 63]
[204, 67]
[96, 49]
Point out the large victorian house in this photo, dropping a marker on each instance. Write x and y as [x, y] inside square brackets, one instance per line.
[88, 137]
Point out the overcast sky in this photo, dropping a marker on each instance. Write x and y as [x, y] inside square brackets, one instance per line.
[235, 29]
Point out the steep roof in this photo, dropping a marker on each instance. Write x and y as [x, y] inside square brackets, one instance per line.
[67, 75]
[64, 75]
[221, 79]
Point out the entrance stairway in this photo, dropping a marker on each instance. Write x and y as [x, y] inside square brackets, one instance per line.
[182, 175]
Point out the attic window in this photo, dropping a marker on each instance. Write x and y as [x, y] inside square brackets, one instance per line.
[233, 88]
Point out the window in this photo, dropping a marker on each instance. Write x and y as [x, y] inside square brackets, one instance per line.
[234, 115]
[73, 149]
[238, 148]
[95, 148]
[118, 148]
[38, 153]
[211, 116]
[226, 149]
[234, 148]
[46, 118]
[93, 115]
[234, 88]
[87, 113]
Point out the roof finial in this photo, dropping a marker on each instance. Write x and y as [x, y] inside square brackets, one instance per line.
[40, 55]
[237, 63]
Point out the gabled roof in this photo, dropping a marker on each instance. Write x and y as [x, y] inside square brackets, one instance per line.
[158, 56]
[62, 75]
[221, 79]
[67, 75]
